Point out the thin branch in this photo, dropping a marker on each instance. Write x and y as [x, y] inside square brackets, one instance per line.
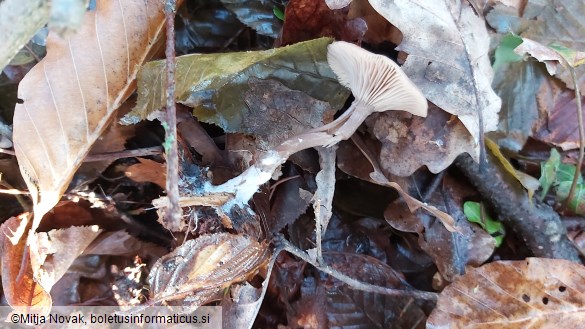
[356, 284]
[110, 156]
[173, 216]
[9, 152]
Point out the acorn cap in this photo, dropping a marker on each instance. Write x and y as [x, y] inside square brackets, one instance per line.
[375, 79]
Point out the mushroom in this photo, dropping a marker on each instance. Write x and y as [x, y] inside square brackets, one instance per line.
[377, 83]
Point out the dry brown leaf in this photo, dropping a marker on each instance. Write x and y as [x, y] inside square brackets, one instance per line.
[203, 267]
[533, 293]
[70, 96]
[409, 143]
[18, 284]
[559, 107]
[53, 252]
[447, 58]
[148, 171]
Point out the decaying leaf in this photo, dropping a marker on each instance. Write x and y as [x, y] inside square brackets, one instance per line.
[560, 126]
[409, 143]
[310, 19]
[519, 114]
[18, 283]
[214, 84]
[147, 171]
[533, 293]
[57, 251]
[70, 96]
[257, 14]
[530, 183]
[323, 198]
[203, 267]
[557, 24]
[447, 59]
[324, 305]
[275, 112]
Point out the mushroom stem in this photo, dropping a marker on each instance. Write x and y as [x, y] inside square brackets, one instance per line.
[378, 85]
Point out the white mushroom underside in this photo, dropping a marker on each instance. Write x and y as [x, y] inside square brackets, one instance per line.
[375, 79]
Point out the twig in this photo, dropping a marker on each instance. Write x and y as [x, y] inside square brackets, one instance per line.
[112, 155]
[318, 231]
[356, 284]
[124, 154]
[17, 194]
[9, 152]
[173, 216]
[14, 192]
[581, 138]
[535, 222]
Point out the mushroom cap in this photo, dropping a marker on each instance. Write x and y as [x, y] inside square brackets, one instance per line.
[375, 79]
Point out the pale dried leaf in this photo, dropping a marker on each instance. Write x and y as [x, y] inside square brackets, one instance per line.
[70, 96]
[323, 198]
[533, 293]
[446, 63]
[560, 22]
[204, 266]
[56, 250]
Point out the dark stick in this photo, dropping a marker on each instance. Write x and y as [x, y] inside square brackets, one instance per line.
[173, 216]
[535, 222]
[283, 244]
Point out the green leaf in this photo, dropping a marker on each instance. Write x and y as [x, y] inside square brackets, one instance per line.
[278, 13]
[505, 51]
[575, 58]
[214, 84]
[472, 211]
[565, 173]
[577, 203]
[499, 239]
[548, 171]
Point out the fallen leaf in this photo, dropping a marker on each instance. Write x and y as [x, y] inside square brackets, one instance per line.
[257, 14]
[70, 96]
[533, 293]
[447, 59]
[334, 305]
[519, 114]
[560, 123]
[325, 179]
[204, 26]
[205, 266]
[309, 19]
[409, 143]
[275, 112]
[214, 84]
[530, 183]
[148, 171]
[18, 283]
[53, 252]
[557, 24]
[552, 56]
